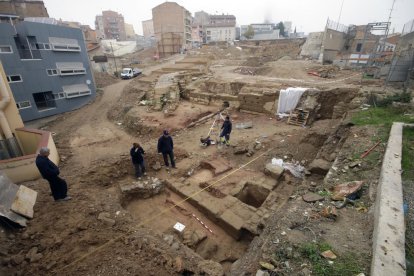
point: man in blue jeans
(137, 157)
(166, 146)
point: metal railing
(336, 26)
(408, 27)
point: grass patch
(344, 265)
(382, 117)
(407, 161)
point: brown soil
(94, 143)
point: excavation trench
(222, 214)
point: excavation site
(298, 174)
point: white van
(127, 73)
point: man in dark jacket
(50, 172)
(226, 130)
(137, 157)
(166, 146)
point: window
(58, 96)
(359, 47)
(77, 94)
(76, 90)
(69, 72)
(67, 48)
(6, 49)
(44, 100)
(52, 72)
(40, 46)
(23, 104)
(14, 78)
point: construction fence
(408, 28)
(336, 26)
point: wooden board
(296, 119)
(24, 201)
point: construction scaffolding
(169, 44)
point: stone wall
(312, 46)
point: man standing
(50, 172)
(166, 146)
(226, 130)
(137, 157)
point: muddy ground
(101, 232)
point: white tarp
(289, 98)
(118, 48)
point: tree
(249, 33)
(281, 28)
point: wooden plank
(24, 201)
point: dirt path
(88, 132)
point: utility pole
(340, 13)
(116, 68)
(382, 48)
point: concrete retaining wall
(389, 228)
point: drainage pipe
(5, 100)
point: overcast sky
(306, 15)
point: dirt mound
(104, 79)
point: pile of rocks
(143, 188)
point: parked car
(136, 72)
(128, 73)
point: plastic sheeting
(289, 98)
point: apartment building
(172, 28)
(129, 32)
(148, 28)
(262, 31)
(110, 25)
(220, 27)
(24, 8)
(47, 68)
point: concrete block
(389, 227)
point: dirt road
(89, 134)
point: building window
(58, 96)
(41, 46)
(25, 49)
(66, 48)
(359, 47)
(70, 72)
(44, 100)
(78, 94)
(6, 49)
(14, 78)
(52, 72)
(23, 104)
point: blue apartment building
(47, 67)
